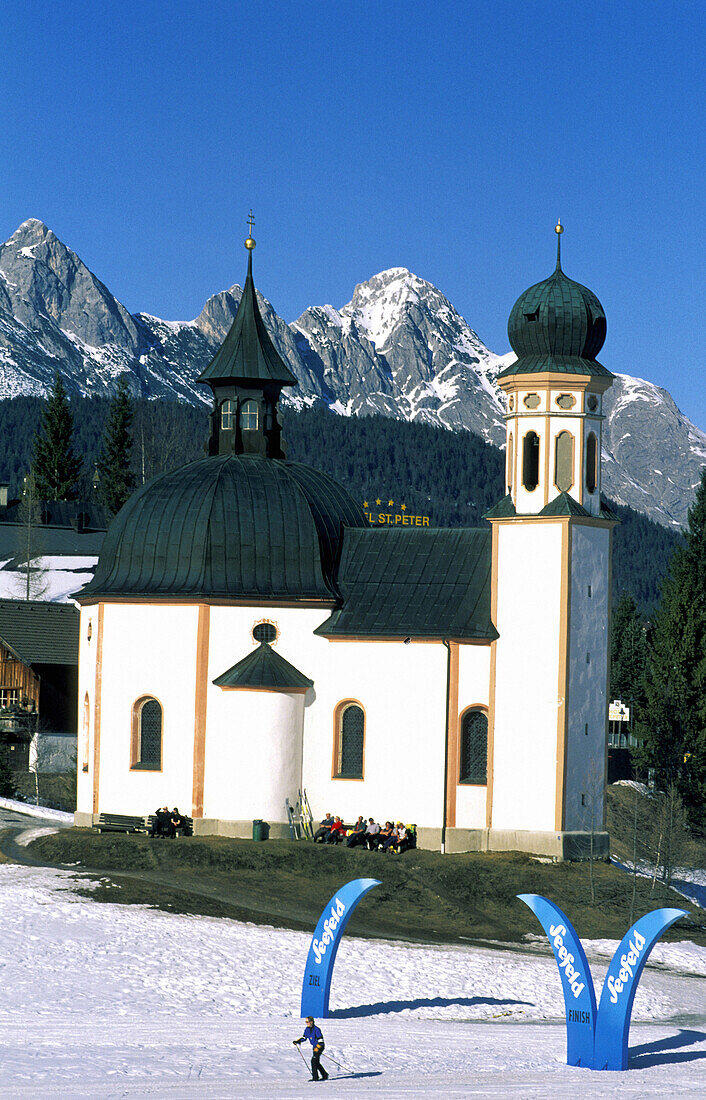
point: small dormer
(246, 377)
(554, 393)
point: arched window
(510, 460)
(147, 734)
(349, 741)
(249, 416)
(564, 461)
(473, 765)
(530, 461)
(85, 726)
(227, 414)
(591, 462)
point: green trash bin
(260, 830)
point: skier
(313, 1034)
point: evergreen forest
(452, 477)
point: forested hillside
(452, 477)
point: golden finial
(250, 243)
(558, 229)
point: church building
(248, 633)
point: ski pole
(333, 1060)
(302, 1056)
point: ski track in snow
(103, 1000)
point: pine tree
(673, 728)
(628, 652)
(117, 480)
(55, 467)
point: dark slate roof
(556, 364)
(266, 670)
(557, 326)
(49, 541)
(247, 353)
(229, 526)
(562, 505)
(40, 633)
(433, 583)
(504, 509)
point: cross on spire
(250, 243)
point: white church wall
(148, 649)
(86, 686)
(253, 754)
(470, 806)
(473, 690)
(402, 689)
(585, 762)
(527, 664)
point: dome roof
(557, 325)
(232, 527)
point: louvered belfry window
(351, 737)
(474, 748)
(151, 733)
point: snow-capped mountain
(398, 348)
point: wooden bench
(120, 823)
(125, 823)
(187, 829)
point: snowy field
(107, 1001)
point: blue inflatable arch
(316, 986)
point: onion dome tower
(550, 588)
(554, 394)
(241, 524)
(246, 376)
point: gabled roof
(40, 633)
(562, 505)
(433, 583)
(504, 509)
(247, 353)
(265, 670)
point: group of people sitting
(169, 822)
(391, 838)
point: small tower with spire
(246, 377)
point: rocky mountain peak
(398, 348)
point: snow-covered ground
(107, 1001)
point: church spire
(246, 376)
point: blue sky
(443, 137)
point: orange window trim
(486, 711)
(337, 721)
(135, 732)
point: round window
(264, 632)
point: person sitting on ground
(404, 838)
(336, 832)
(383, 836)
(315, 1037)
(371, 833)
(324, 828)
(390, 842)
(357, 834)
(160, 823)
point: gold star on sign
(403, 507)
(390, 503)
(378, 501)
(365, 504)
